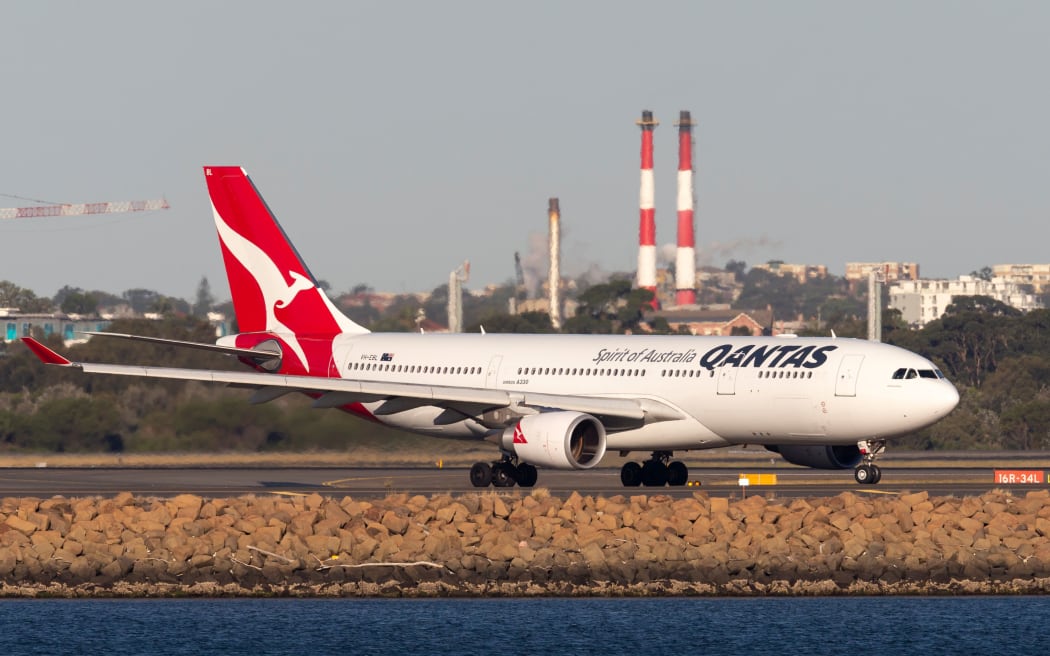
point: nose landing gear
(867, 472)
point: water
(828, 625)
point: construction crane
(77, 209)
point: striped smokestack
(555, 271)
(647, 228)
(685, 261)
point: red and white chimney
(647, 229)
(685, 261)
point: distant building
(381, 301)
(720, 321)
(923, 301)
(857, 272)
(568, 309)
(665, 288)
(715, 286)
(800, 272)
(71, 327)
(1035, 275)
(220, 323)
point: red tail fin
(272, 288)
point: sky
(396, 140)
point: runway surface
(378, 482)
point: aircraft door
(492, 375)
(727, 380)
(846, 382)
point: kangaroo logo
(277, 293)
(519, 435)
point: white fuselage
(728, 390)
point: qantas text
(786, 355)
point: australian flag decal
(386, 357)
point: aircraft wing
(617, 413)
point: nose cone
(944, 399)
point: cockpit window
(904, 373)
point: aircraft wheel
(876, 474)
(527, 475)
(481, 474)
(654, 474)
(677, 473)
(631, 474)
(863, 474)
(502, 476)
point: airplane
(550, 401)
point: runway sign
(1019, 477)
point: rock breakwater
(524, 544)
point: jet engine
(836, 456)
(559, 440)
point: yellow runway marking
(340, 482)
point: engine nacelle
(837, 456)
(559, 440)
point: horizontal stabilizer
(255, 354)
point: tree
(400, 317)
(969, 341)
(611, 307)
(13, 296)
(364, 314)
(961, 305)
(765, 289)
(984, 273)
(205, 300)
(526, 322)
(77, 424)
(141, 300)
(1026, 424)
(77, 301)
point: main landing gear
(867, 472)
(503, 473)
(655, 472)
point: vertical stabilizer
(272, 288)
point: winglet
(44, 353)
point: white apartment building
(922, 301)
(1036, 275)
